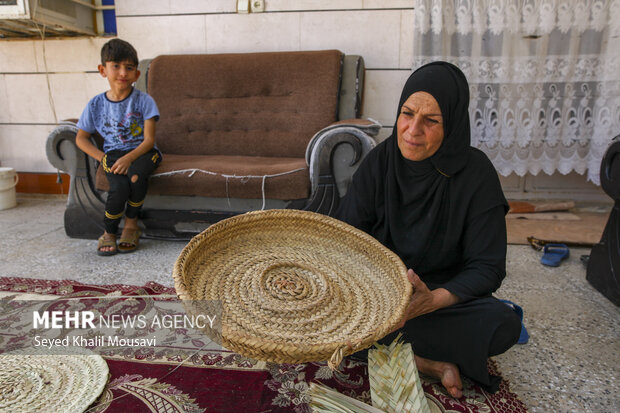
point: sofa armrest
(143, 81)
(60, 147)
(84, 202)
(327, 156)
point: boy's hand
(121, 166)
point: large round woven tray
(45, 382)
(295, 286)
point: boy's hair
(117, 50)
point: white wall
(42, 82)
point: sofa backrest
(262, 104)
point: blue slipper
(553, 254)
(524, 337)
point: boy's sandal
(104, 242)
(131, 240)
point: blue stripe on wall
(109, 18)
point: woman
(430, 197)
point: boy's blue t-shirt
(121, 124)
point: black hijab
(419, 209)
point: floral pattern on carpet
(192, 379)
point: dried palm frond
(395, 385)
(327, 400)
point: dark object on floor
(539, 244)
(584, 260)
(554, 254)
(604, 264)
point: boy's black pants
(125, 192)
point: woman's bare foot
(448, 373)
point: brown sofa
(238, 132)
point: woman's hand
(423, 300)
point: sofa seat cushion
(223, 176)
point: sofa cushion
(250, 104)
(223, 176)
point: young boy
(125, 117)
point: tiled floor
(571, 364)
(572, 361)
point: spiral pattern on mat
(50, 382)
(295, 286)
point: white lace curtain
(544, 77)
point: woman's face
(419, 127)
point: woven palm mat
(150, 379)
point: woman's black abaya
(445, 217)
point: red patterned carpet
(193, 379)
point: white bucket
(8, 180)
